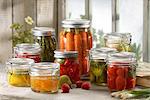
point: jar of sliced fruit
(98, 65)
(121, 73)
(18, 71)
(44, 77)
(120, 41)
(26, 50)
(69, 64)
(76, 36)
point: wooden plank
(45, 11)
(5, 31)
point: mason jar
(46, 38)
(69, 64)
(18, 71)
(121, 73)
(44, 77)
(26, 50)
(120, 41)
(76, 36)
(98, 65)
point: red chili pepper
(120, 83)
(111, 83)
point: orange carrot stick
(84, 43)
(62, 42)
(90, 40)
(70, 41)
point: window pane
(75, 8)
(131, 19)
(102, 15)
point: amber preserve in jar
(18, 71)
(45, 37)
(69, 64)
(26, 50)
(76, 36)
(98, 65)
(120, 41)
(44, 77)
(121, 73)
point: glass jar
(69, 64)
(98, 65)
(26, 50)
(44, 77)
(45, 37)
(121, 73)
(120, 41)
(18, 71)
(76, 36)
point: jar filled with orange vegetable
(44, 77)
(76, 36)
(69, 64)
(121, 73)
(119, 41)
(18, 71)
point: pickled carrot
(120, 83)
(62, 42)
(70, 42)
(84, 43)
(90, 40)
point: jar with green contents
(119, 41)
(18, 71)
(45, 37)
(98, 66)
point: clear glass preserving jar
(45, 37)
(76, 36)
(18, 71)
(98, 65)
(120, 41)
(26, 50)
(69, 64)
(121, 73)
(44, 77)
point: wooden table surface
(8, 92)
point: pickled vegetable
(44, 84)
(20, 80)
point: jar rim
(20, 61)
(65, 54)
(43, 31)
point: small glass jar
(121, 73)
(26, 50)
(45, 37)
(120, 41)
(98, 65)
(44, 77)
(76, 36)
(69, 64)
(18, 71)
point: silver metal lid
(65, 54)
(20, 61)
(79, 23)
(43, 31)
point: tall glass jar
(121, 73)
(44, 77)
(18, 71)
(76, 36)
(120, 41)
(45, 37)
(98, 65)
(69, 64)
(26, 50)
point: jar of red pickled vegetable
(98, 65)
(121, 73)
(120, 41)
(69, 64)
(76, 36)
(44, 77)
(26, 50)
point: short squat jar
(121, 73)
(18, 71)
(26, 50)
(69, 64)
(44, 77)
(98, 65)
